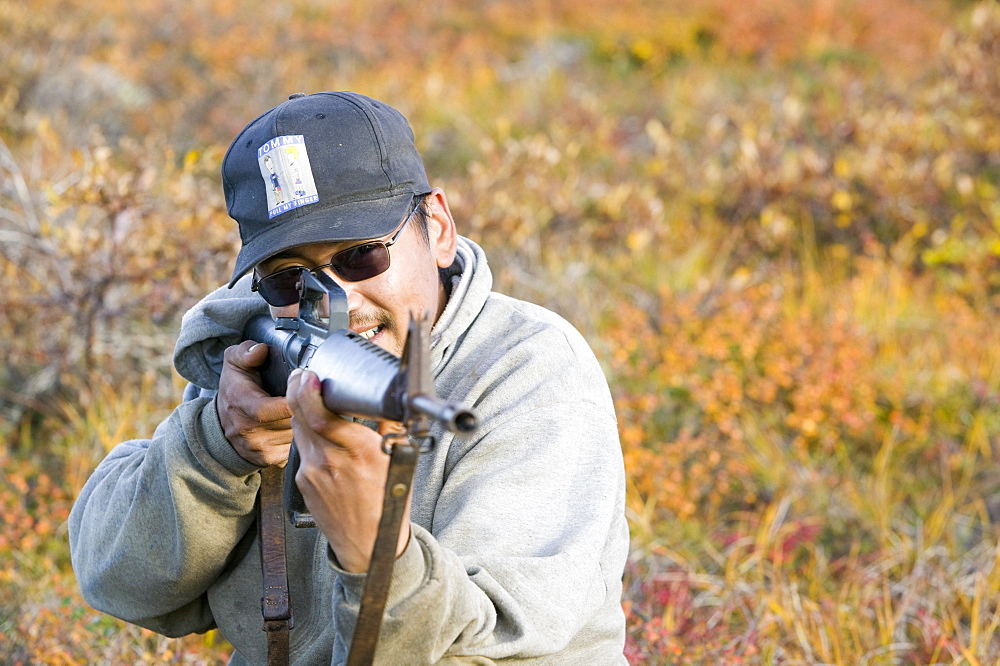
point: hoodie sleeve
(156, 523)
(159, 518)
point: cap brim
(355, 221)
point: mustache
(363, 320)
(367, 319)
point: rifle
(358, 379)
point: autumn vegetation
(776, 221)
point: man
(514, 543)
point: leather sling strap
(402, 464)
(274, 605)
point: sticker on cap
(284, 164)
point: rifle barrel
(454, 417)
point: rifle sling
(275, 606)
(402, 464)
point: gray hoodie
(519, 535)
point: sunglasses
(356, 263)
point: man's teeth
(370, 333)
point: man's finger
(391, 428)
(248, 355)
(305, 400)
(272, 412)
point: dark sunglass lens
(281, 288)
(361, 262)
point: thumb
(250, 355)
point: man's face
(380, 307)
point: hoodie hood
(469, 290)
(213, 324)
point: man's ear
(441, 232)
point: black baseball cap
(326, 167)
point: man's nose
(354, 300)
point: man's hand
(257, 425)
(342, 474)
